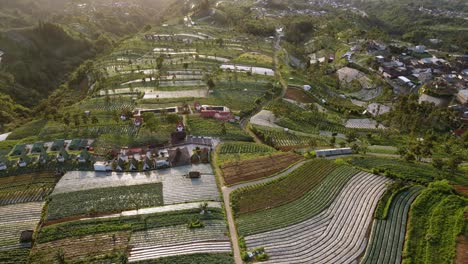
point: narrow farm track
(145, 253)
(337, 235)
(386, 243)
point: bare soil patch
(236, 172)
(298, 96)
(462, 250)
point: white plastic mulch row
(337, 235)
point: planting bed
(17, 218)
(280, 139)
(82, 248)
(26, 188)
(104, 200)
(312, 203)
(200, 126)
(244, 147)
(436, 218)
(386, 242)
(298, 96)
(236, 172)
(337, 235)
(278, 192)
(199, 258)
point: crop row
(134, 223)
(336, 235)
(244, 147)
(416, 172)
(386, 243)
(129, 130)
(236, 172)
(112, 199)
(282, 190)
(436, 218)
(75, 249)
(315, 201)
(281, 139)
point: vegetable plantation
(386, 242)
(436, 218)
(278, 192)
(322, 193)
(200, 126)
(244, 147)
(105, 200)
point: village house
(220, 113)
(3, 166)
(462, 96)
(102, 166)
(62, 155)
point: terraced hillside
(15, 219)
(276, 193)
(25, 188)
(336, 235)
(386, 242)
(436, 218)
(235, 172)
(310, 204)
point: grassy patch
(28, 130)
(212, 128)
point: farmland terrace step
(146, 253)
(342, 240)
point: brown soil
(248, 170)
(462, 250)
(298, 96)
(81, 248)
(461, 189)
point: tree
(94, 120)
(453, 162)
(438, 163)
(332, 142)
(151, 122)
(223, 129)
(351, 137)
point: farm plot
(244, 147)
(176, 187)
(277, 192)
(253, 70)
(97, 130)
(200, 126)
(14, 256)
(15, 219)
(178, 239)
(436, 218)
(337, 235)
(96, 246)
(386, 243)
(199, 258)
(236, 172)
(196, 93)
(298, 96)
(363, 124)
(177, 250)
(417, 172)
(264, 118)
(104, 200)
(310, 204)
(25, 188)
(281, 139)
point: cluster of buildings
(220, 113)
(140, 159)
